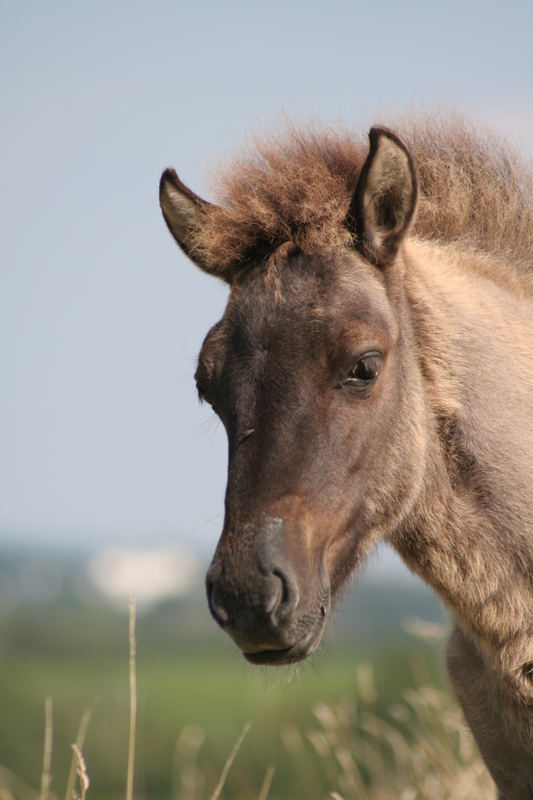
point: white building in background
(148, 574)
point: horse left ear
(384, 201)
(185, 213)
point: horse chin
(299, 651)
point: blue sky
(101, 316)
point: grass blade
(11, 784)
(46, 775)
(267, 782)
(133, 702)
(229, 762)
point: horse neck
(470, 534)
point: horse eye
(202, 395)
(204, 398)
(365, 370)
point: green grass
(213, 689)
(324, 726)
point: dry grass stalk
(267, 782)
(229, 762)
(46, 774)
(81, 771)
(405, 755)
(133, 702)
(80, 741)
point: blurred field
(195, 694)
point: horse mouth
(288, 655)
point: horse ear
(384, 201)
(184, 213)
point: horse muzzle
(255, 596)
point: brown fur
(297, 186)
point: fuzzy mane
(296, 187)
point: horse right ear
(384, 201)
(184, 212)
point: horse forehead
(315, 299)
(268, 306)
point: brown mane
(296, 187)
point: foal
(374, 373)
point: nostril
(218, 612)
(288, 596)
